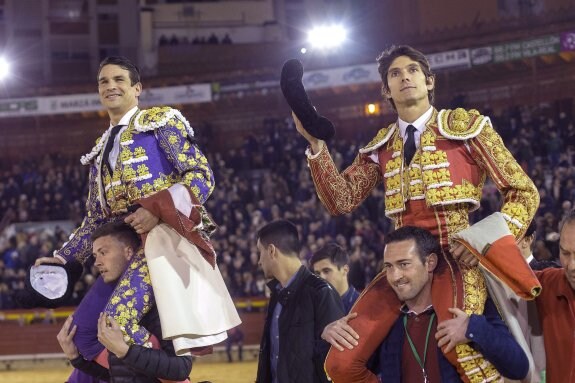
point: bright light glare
(327, 37)
(4, 68)
(303, 51)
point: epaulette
(460, 124)
(144, 121)
(159, 116)
(381, 138)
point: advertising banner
(450, 60)
(357, 74)
(90, 102)
(545, 45)
(568, 41)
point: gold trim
(460, 124)
(381, 138)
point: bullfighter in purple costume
(144, 169)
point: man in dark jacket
(115, 245)
(301, 305)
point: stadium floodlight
(327, 37)
(4, 68)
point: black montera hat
(295, 95)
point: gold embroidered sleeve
(79, 245)
(342, 192)
(520, 196)
(191, 164)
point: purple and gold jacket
(157, 150)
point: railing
(21, 340)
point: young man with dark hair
(413, 350)
(119, 231)
(117, 252)
(124, 63)
(301, 305)
(385, 61)
(433, 165)
(331, 263)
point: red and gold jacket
(457, 151)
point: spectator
(227, 39)
(11, 257)
(235, 336)
(213, 39)
(331, 263)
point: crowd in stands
(267, 179)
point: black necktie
(409, 146)
(109, 145)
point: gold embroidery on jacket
(476, 367)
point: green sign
(529, 48)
